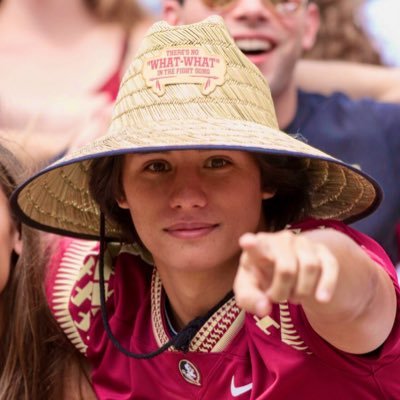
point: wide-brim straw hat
(189, 87)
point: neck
(286, 104)
(193, 294)
(60, 20)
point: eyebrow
(153, 153)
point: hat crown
(188, 72)
(215, 98)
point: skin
(9, 240)
(283, 70)
(53, 103)
(357, 80)
(205, 236)
(347, 298)
(190, 215)
(284, 39)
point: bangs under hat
(189, 87)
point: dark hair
(285, 175)
(105, 186)
(288, 177)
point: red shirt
(234, 355)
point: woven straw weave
(237, 114)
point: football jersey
(235, 355)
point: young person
(274, 34)
(36, 362)
(198, 192)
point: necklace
(171, 328)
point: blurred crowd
(55, 94)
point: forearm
(356, 80)
(361, 312)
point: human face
(272, 40)
(190, 207)
(9, 240)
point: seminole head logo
(189, 372)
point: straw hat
(189, 87)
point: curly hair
(340, 37)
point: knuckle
(305, 290)
(285, 276)
(286, 273)
(277, 296)
(312, 267)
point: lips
(190, 230)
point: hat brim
(57, 199)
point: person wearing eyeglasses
(274, 34)
(223, 267)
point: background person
(36, 361)
(62, 63)
(343, 40)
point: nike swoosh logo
(239, 390)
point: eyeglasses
(282, 7)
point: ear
(122, 202)
(171, 12)
(311, 27)
(17, 242)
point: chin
(193, 262)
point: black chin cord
(181, 341)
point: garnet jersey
(234, 355)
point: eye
(216, 162)
(158, 166)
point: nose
(252, 11)
(187, 191)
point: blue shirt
(365, 133)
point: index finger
(249, 295)
(256, 248)
(329, 276)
